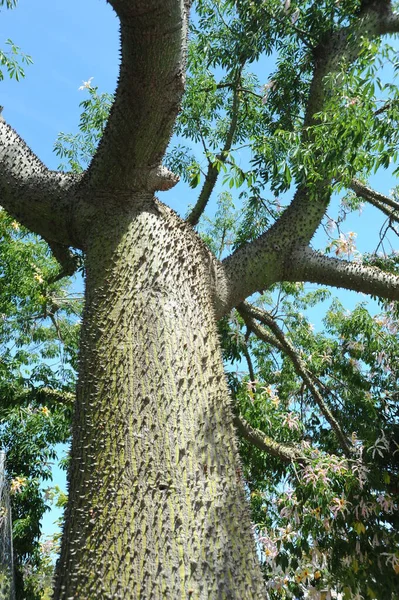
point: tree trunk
(156, 504)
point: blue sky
(71, 41)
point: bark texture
(156, 503)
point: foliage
(13, 59)
(77, 149)
(38, 347)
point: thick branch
(53, 397)
(259, 264)
(265, 443)
(45, 395)
(147, 99)
(249, 313)
(385, 204)
(375, 19)
(213, 171)
(308, 265)
(39, 199)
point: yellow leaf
(386, 477)
(359, 527)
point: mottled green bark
(157, 505)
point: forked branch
(263, 261)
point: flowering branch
(249, 313)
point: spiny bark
(308, 265)
(156, 503)
(385, 204)
(40, 199)
(147, 99)
(263, 261)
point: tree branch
(308, 265)
(385, 204)
(68, 260)
(260, 263)
(50, 396)
(38, 198)
(251, 371)
(265, 443)
(249, 312)
(259, 331)
(213, 171)
(45, 395)
(147, 99)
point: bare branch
(38, 198)
(249, 363)
(265, 443)
(249, 313)
(213, 170)
(308, 265)
(147, 99)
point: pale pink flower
(392, 559)
(86, 85)
(387, 503)
(295, 16)
(17, 484)
(380, 446)
(292, 421)
(287, 5)
(340, 506)
(363, 509)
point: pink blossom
(292, 421)
(340, 506)
(387, 503)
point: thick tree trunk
(157, 507)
